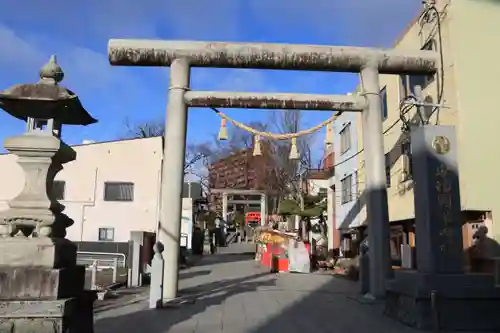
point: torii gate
(182, 55)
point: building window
(383, 97)
(322, 192)
(346, 185)
(58, 189)
(106, 234)
(388, 170)
(345, 139)
(408, 82)
(118, 191)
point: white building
(347, 200)
(111, 189)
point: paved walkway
(230, 292)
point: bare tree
(282, 174)
(238, 139)
(145, 129)
(213, 150)
(288, 170)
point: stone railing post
(115, 270)
(156, 286)
(93, 280)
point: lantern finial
(51, 72)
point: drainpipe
(158, 191)
(91, 203)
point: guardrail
(105, 259)
(103, 262)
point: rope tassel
(294, 152)
(256, 147)
(223, 130)
(329, 134)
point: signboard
(299, 260)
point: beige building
(469, 84)
(110, 190)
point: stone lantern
(40, 282)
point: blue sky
(78, 32)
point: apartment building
(464, 33)
(111, 189)
(345, 179)
(241, 170)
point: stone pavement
(230, 292)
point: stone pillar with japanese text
(438, 223)
(439, 295)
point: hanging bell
(294, 152)
(329, 134)
(222, 130)
(256, 147)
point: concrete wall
(471, 70)
(400, 191)
(137, 161)
(474, 26)
(346, 214)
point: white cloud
(87, 69)
(17, 52)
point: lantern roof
(45, 99)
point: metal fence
(105, 260)
(103, 268)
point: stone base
(37, 252)
(74, 315)
(25, 283)
(462, 302)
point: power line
(404, 109)
(361, 150)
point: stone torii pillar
(224, 206)
(180, 55)
(376, 185)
